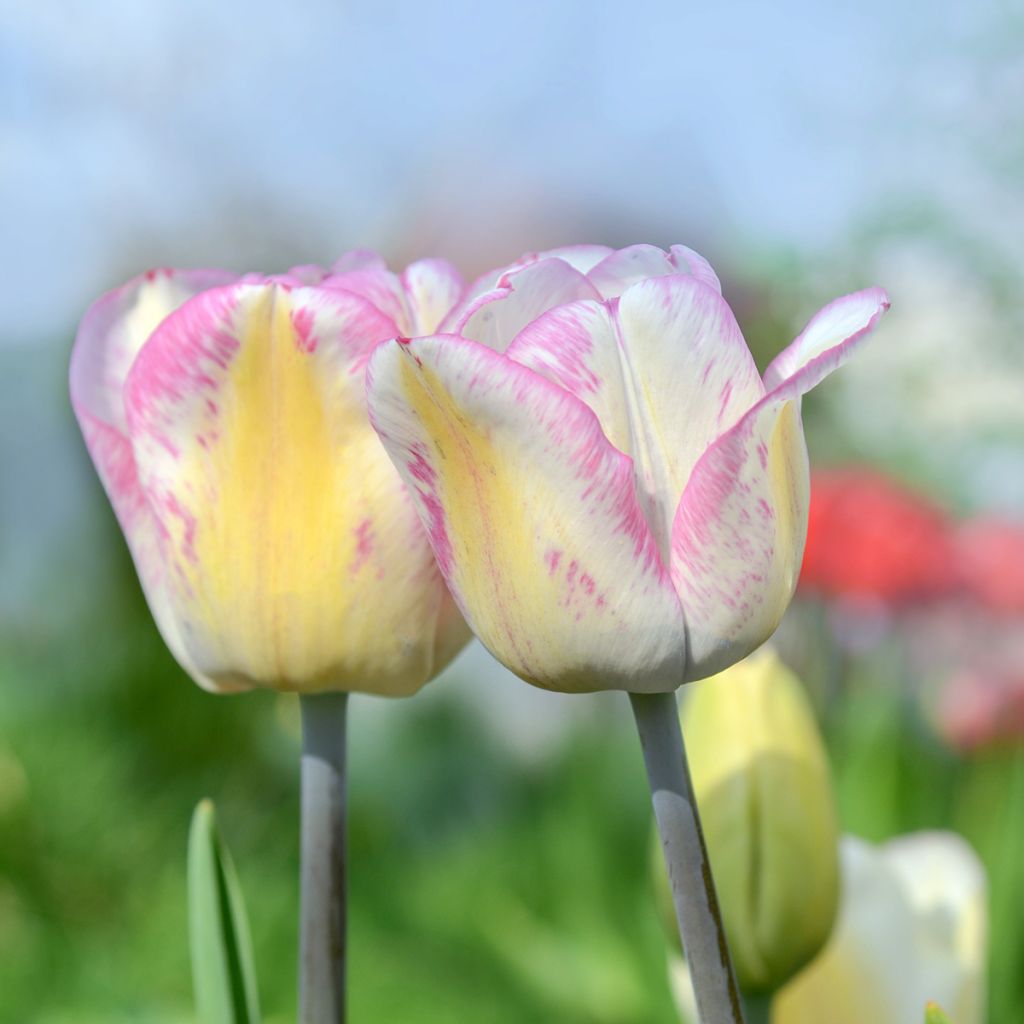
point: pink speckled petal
(520, 296)
(532, 516)
(432, 288)
(116, 326)
(111, 334)
(740, 528)
(294, 556)
(112, 455)
(691, 377)
(380, 286)
(826, 341)
(576, 347)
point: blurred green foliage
(484, 889)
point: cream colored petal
(295, 558)
(532, 515)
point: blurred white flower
(912, 926)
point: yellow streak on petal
(501, 523)
(304, 574)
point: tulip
(615, 496)
(912, 928)
(762, 781)
(276, 545)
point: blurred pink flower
(989, 555)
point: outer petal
(497, 316)
(294, 553)
(108, 340)
(532, 516)
(739, 531)
(432, 288)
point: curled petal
(739, 530)
(293, 554)
(532, 516)
(825, 342)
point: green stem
(322, 940)
(686, 857)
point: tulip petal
(575, 346)
(532, 516)
(432, 287)
(116, 326)
(690, 377)
(295, 556)
(824, 343)
(739, 530)
(380, 286)
(624, 267)
(109, 338)
(521, 295)
(580, 257)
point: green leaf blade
(223, 967)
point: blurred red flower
(871, 540)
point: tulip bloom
(616, 497)
(226, 416)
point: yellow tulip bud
(762, 781)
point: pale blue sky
(237, 132)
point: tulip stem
(686, 857)
(322, 940)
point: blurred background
(499, 836)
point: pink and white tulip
(616, 497)
(226, 416)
